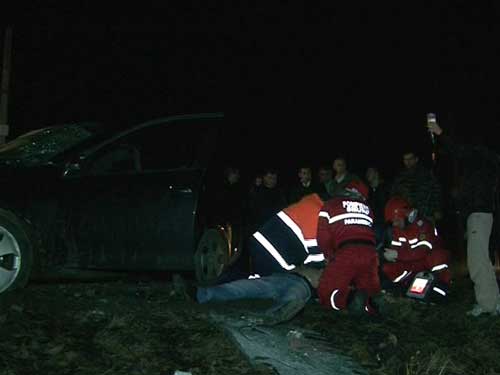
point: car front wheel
(212, 255)
(16, 252)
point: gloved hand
(390, 255)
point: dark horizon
(301, 83)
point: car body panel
(128, 200)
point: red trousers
(399, 271)
(352, 265)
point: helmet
(358, 186)
(399, 208)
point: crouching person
(290, 292)
(287, 240)
(415, 247)
(347, 239)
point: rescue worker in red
(347, 239)
(415, 246)
(288, 239)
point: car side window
(119, 158)
(164, 146)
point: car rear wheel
(211, 256)
(16, 252)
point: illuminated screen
(418, 285)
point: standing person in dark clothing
(230, 203)
(341, 179)
(476, 204)
(325, 175)
(304, 186)
(231, 195)
(419, 187)
(377, 198)
(268, 200)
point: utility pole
(4, 89)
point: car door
(133, 202)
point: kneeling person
(415, 247)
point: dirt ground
(144, 327)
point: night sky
(298, 82)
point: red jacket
(344, 219)
(415, 241)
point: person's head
(270, 178)
(232, 175)
(340, 166)
(372, 176)
(258, 180)
(325, 174)
(410, 159)
(357, 188)
(305, 175)
(399, 212)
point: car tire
(211, 256)
(16, 252)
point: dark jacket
(335, 188)
(479, 173)
(377, 199)
(265, 203)
(298, 191)
(421, 189)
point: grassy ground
(144, 328)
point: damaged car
(82, 197)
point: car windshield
(41, 145)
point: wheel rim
(10, 259)
(212, 257)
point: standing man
(476, 203)
(377, 198)
(342, 177)
(419, 187)
(305, 185)
(346, 237)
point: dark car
(78, 196)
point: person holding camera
(476, 204)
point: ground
(135, 326)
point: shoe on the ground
(379, 304)
(358, 303)
(182, 288)
(478, 310)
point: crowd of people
(347, 239)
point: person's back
(476, 202)
(347, 239)
(349, 219)
(479, 179)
